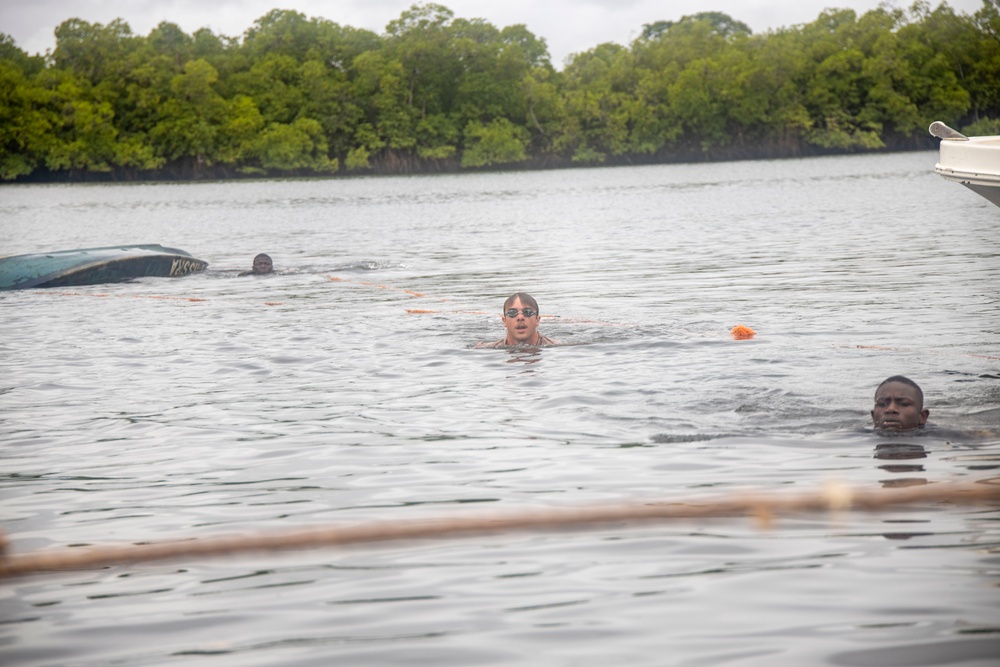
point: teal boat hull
(92, 266)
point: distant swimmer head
(899, 405)
(262, 264)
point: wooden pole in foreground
(834, 497)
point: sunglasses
(528, 312)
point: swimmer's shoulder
(543, 341)
(487, 345)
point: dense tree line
(298, 95)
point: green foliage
(238, 135)
(357, 158)
(600, 87)
(437, 137)
(93, 51)
(982, 127)
(25, 123)
(10, 53)
(297, 94)
(499, 142)
(190, 119)
(295, 147)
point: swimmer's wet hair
(526, 299)
(902, 379)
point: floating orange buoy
(741, 332)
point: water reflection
(899, 452)
(524, 355)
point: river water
(344, 389)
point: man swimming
(520, 317)
(262, 264)
(899, 405)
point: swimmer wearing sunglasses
(520, 317)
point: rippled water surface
(344, 389)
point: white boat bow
(972, 161)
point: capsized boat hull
(972, 161)
(92, 266)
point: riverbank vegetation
(305, 96)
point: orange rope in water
(160, 297)
(428, 311)
(832, 498)
(337, 279)
(884, 348)
(105, 295)
(739, 331)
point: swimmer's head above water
(520, 318)
(262, 264)
(899, 405)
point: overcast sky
(568, 26)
